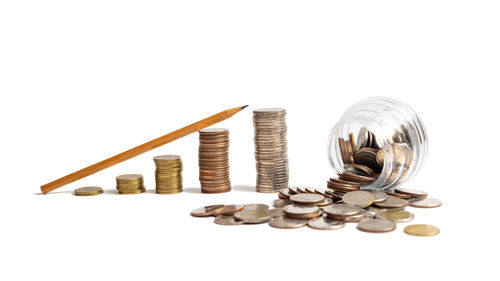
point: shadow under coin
(244, 188)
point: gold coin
(421, 230)
(88, 191)
(395, 215)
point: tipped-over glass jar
(378, 142)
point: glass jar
(386, 128)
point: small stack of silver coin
(270, 149)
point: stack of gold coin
(168, 174)
(270, 149)
(130, 184)
(213, 159)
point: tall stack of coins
(213, 160)
(130, 184)
(270, 149)
(168, 174)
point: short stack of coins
(270, 149)
(130, 184)
(213, 159)
(168, 174)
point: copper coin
(411, 192)
(287, 223)
(356, 178)
(392, 202)
(227, 220)
(376, 225)
(358, 198)
(323, 223)
(206, 211)
(307, 198)
(367, 157)
(425, 202)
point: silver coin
(376, 225)
(306, 198)
(363, 138)
(425, 202)
(301, 211)
(254, 207)
(287, 223)
(276, 212)
(359, 217)
(226, 220)
(379, 195)
(280, 203)
(392, 202)
(361, 199)
(323, 223)
(253, 216)
(411, 192)
(340, 211)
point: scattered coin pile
(130, 184)
(213, 159)
(364, 159)
(270, 149)
(375, 211)
(168, 174)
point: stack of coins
(270, 149)
(168, 174)
(213, 159)
(130, 184)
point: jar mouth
(399, 133)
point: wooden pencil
(209, 121)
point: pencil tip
(243, 107)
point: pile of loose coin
(374, 210)
(214, 160)
(168, 174)
(130, 184)
(270, 149)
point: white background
(83, 80)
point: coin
(253, 216)
(392, 202)
(425, 202)
(368, 157)
(88, 191)
(280, 203)
(323, 223)
(356, 178)
(307, 198)
(227, 220)
(363, 138)
(254, 207)
(284, 193)
(340, 211)
(287, 223)
(359, 169)
(411, 192)
(206, 211)
(301, 211)
(327, 201)
(231, 209)
(395, 216)
(376, 225)
(379, 195)
(358, 198)
(359, 217)
(421, 230)
(276, 212)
